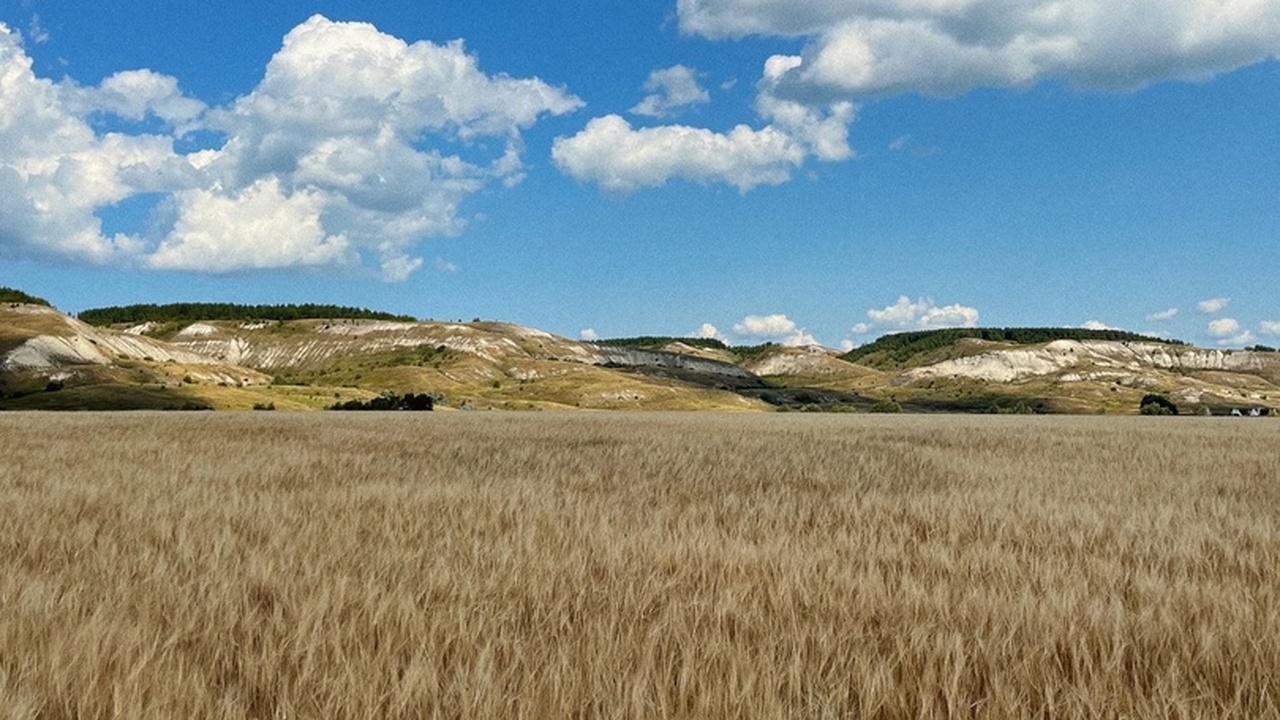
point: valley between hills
(50, 360)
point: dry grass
(271, 565)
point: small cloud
(1097, 325)
(445, 265)
(669, 90)
(36, 31)
(1163, 315)
(1229, 333)
(1224, 327)
(846, 345)
(922, 314)
(765, 326)
(903, 142)
(1244, 338)
(729, 84)
(588, 334)
(708, 332)
(1269, 327)
(1212, 305)
(777, 327)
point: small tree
(1153, 404)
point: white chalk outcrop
(69, 341)
(1082, 360)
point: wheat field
(601, 565)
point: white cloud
(446, 266)
(776, 328)
(621, 158)
(136, 94)
(1224, 327)
(1097, 325)
(1163, 315)
(765, 326)
(588, 334)
(922, 314)
(708, 331)
(942, 48)
(946, 47)
(56, 171)
(1212, 305)
(671, 89)
(271, 230)
(1270, 327)
(36, 31)
(1228, 332)
(846, 345)
(354, 147)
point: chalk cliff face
(266, 347)
(1079, 360)
(628, 357)
(39, 342)
(58, 340)
(810, 360)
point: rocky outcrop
(810, 360)
(629, 357)
(67, 341)
(1078, 360)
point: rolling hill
(284, 360)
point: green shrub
(886, 406)
(390, 401)
(1153, 404)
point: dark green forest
(900, 347)
(657, 342)
(10, 295)
(194, 312)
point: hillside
(241, 357)
(898, 350)
(50, 360)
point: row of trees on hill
(655, 342)
(194, 312)
(899, 347)
(11, 295)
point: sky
(793, 171)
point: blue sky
(786, 170)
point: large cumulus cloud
(944, 47)
(353, 148)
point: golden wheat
(268, 565)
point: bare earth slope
(43, 351)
